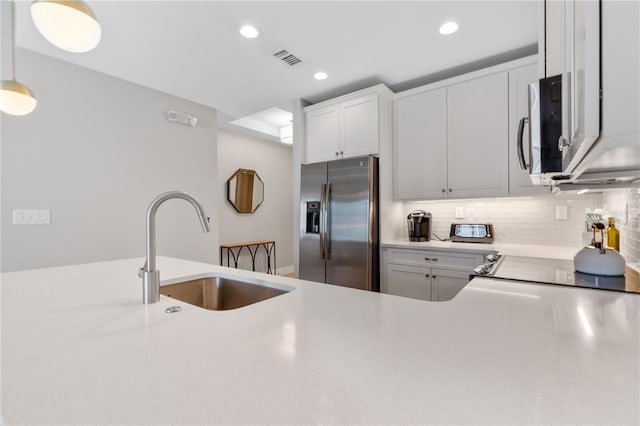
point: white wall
(273, 219)
(299, 154)
(96, 151)
(522, 220)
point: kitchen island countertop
(79, 347)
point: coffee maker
(419, 225)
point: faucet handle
(142, 269)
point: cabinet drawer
(434, 258)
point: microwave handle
(523, 163)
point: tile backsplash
(523, 220)
(624, 205)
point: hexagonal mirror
(245, 191)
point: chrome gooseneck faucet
(150, 276)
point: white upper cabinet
(346, 127)
(323, 134)
(457, 138)
(551, 38)
(360, 127)
(519, 80)
(477, 135)
(420, 155)
(580, 81)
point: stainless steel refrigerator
(339, 223)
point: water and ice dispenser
(313, 217)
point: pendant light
(69, 25)
(15, 98)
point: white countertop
(550, 252)
(78, 347)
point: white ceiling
(192, 49)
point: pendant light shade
(16, 98)
(69, 25)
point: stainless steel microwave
(545, 128)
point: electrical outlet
(31, 217)
(562, 212)
(459, 212)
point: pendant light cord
(13, 40)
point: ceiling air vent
(287, 57)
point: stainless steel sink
(220, 293)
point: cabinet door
(323, 134)
(583, 78)
(552, 53)
(359, 127)
(420, 146)
(478, 137)
(446, 283)
(408, 281)
(519, 79)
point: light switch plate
(459, 212)
(562, 212)
(32, 217)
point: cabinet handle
(444, 190)
(434, 277)
(341, 152)
(450, 190)
(435, 259)
(426, 275)
(336, 153)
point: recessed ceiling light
(448, 28)
(320, 75)
(249, 31)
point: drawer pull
(435, 259)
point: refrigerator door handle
(323, 215)
(327, 239)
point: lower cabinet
(433, 284)
(446, 283)
(436, 276)
(408, 281)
